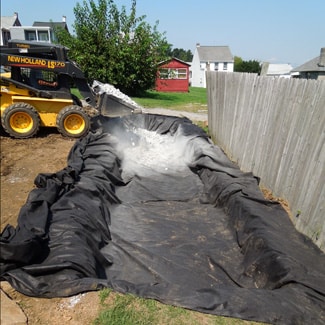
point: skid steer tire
(20, 120)
(73, 122)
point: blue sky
(277, 31)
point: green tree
(115, 47)
(237, 62)
(251, 66)
(182, 54)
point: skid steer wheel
(20, 120)
(73, 122)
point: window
(31, 76)
(43, 36)
(181, 74)
(216, 66)
(165, 73)
(6, 37)
(225, 66)
(30, 35)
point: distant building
(209, 58)
(313, 69)
(276, 70)
(173, 76)
(40, 31)
(11, 28)
(6, 24)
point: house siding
(198, 72)
(17, 33)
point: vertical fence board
(275, 127)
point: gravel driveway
(192, 116)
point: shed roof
(173, 58)
(279, 69)
(215, 53)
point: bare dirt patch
(284, 203)
(21, 162)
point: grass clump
(193, 101)
(128, 309)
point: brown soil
(21, 162)
(270, 196)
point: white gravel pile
(148, 152)
(110, 89)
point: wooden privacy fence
(275, 128)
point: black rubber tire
(21, 120)
(73, 122)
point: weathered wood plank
(275, 127)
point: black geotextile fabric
(201, 237)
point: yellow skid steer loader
(36, 92)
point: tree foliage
(115, 47)
(181, 54)
(251, 66)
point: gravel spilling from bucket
(110, 89)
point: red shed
(173, 75)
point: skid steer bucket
(113, 103)
(112, 106)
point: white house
(6, 23)
(209, 58)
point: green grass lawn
(193, 101)
(118, 309)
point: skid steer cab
(36, 81)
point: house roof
(9, 21)
(314, 65)
(215, 53)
